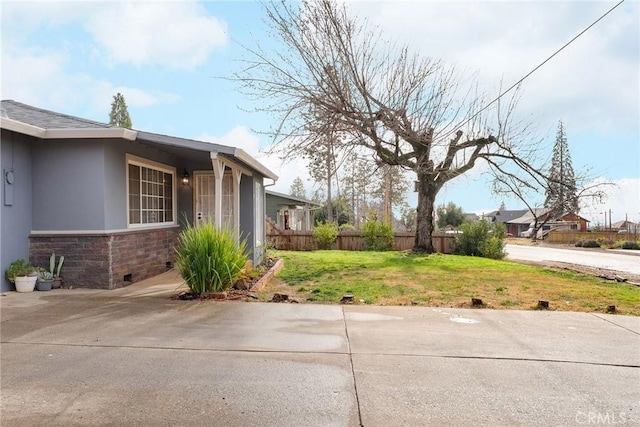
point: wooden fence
(349, 240)
(571, 237)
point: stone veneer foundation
(107, 260)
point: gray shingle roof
(292, 198)
(46, 119)
(506, 215)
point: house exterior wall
(80, 187)
(15, 214)
(108, 260)
(272, 203)
(68, 185)
(115, 177)
(574, 217)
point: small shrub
(209, 258)
(325, 234)
(631, 245)
(481, 239)
(590, 244)
(494, 248)
(377, 236)
(617, 245)
(579, 243)
(347, 227)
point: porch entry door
(205, 198)
(205, 201)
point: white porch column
(237, 174)
(218, 172)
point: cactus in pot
(57, 283)
(45, 281)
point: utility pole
(610, 220)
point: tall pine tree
(119, 115)
(297, 188)
(561, 188)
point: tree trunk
(427, 192)
(387, 194)
(329, 204)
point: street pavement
(135, 356)
(616, 260)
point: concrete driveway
(135, 357)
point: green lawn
(393, 278)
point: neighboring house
(523, 223)
(112, 200)
(290, 212)
(505, 217)
(625, 226)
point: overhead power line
(534, 70)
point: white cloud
(40, 77)
(177, 35)
(623, 199)
(241, 137)
(593, 82)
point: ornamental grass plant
(210, 259)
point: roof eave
(110, 133)
(20, 127)
(256, 165)
(79, 133)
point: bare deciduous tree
(410, 111)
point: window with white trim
(150, 190)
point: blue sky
(166, 57)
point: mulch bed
(240, 291)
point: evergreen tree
(449, 215)
(561, 188)
(119, 115)
(297, 188)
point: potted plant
(45, 281)
(57, 279)
(20, 274)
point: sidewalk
(136, 357)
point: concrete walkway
(136, 357)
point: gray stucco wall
(81, 185)
(68, 185)
(15, 220)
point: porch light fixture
(185, 177)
